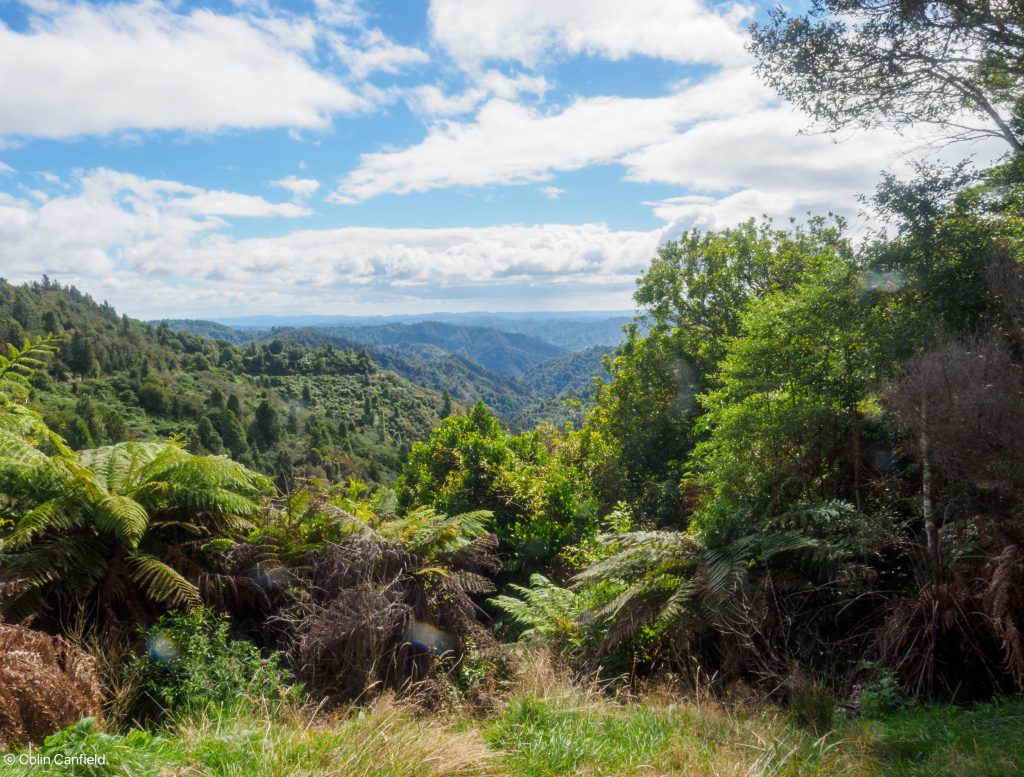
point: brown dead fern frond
(1002, 597)
(45, 684)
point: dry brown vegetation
(45, 684)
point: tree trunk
(931, 529)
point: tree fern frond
(162, 583)
(122, 517)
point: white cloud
(526, 31)
(375, 52)
(433, 101)
(757, 163)
(552, 192)
(117, 232)
(5, 168)
(83, 69)
(340, 13)
(300, 188)
(112, 215)
(508, 143)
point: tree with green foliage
(868, 63)
(539, 502)
(697, 285)
(266, 426)
(785, 420)
(82, 355)
(208, 437)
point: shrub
(881, 694)
(191, 663)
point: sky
(360, 156)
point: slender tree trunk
(931, 529)
(856, 459)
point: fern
(545, 610)
(675, 580)
(118, 525)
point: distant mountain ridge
(513, 364)
(572, 331)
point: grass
(548, 727)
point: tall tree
(958, 64)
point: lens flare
(428, 637)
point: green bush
(881, 694)
(191, 664)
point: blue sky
(362, 156)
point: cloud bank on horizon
(351, 156)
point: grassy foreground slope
(547, 727)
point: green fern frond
(162, 583)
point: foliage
(191, 663)
(539, 501)
(886, 62)
(785, 420)
(149, 382)
(676, 581)
(100, 754)
(881, 693)
(545, 612)
(118, 528)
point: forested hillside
(528, 380)
(277, 406)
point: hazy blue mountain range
(572, 331)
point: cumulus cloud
(434, 101)
(85, 69)
(527, 31)
(376, 52)
(111, 215)
(759, 163)
(116, 228)
(509, 143)
(301, 188)
(552, 192)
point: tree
(231, 431)
(82, 355)
(208, 437)
(785, 420)
(693, 297)
(540, 502)
(866, 63)
(697, 286)
(266, 425)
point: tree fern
(675, 580)
(116, 526)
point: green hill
(278, 405)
